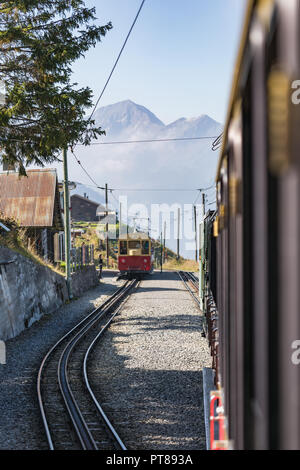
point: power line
(197, 197)
(217, 143)
(118, 58)
(85, 171)
(139, 189)
(152, 140)
(142, 189)
(160, 189)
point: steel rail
(81, 427)
(185, 278)
(87, 382)
(49, 354)
(193, 279)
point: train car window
(134, 245)
(123, 248)
(145, 247)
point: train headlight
(145, 261)
(123, 260)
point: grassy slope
(16, 240)
(181, 265)
(90, 238)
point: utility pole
(178, 233)
(201, 247)
(195, 220)
(165, 229)
(161, 252)
(199, 253)
(67, 224)
(203, 203)
(120, 219)
(106, 226)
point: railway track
(72, 416)
(191, 283)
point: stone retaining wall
(29, 290)
(84, 280)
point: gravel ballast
(20, 423)
(147, 370)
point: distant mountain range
(129, 120)
(130, 168)
(170, 165)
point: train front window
(134, 245)
(123, 248)
(145, 247)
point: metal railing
(82, 256)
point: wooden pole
(178, 233)
(67, 223)
(161, 252)
(106, 226)
(195, 220)
(120, 219)
(203, 203)
(165, 230)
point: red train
(135, 254)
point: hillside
(170, 262)
(177, 167)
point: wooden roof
(33, 199)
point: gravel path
(20, 422)
(152, 357)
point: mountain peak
(127, 118)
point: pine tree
(44, 111)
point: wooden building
(83, 209)
(34, 201)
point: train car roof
(134, 236)
(263, 7)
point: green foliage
(44, 111)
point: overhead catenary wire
(127, 142)
(217, 143)
(136, 141)
(117, 60)
(159, 189)
(175, 139)
(199, 194)
(85, 171)
(95, 184)
(113, 69)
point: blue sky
(179, 59)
